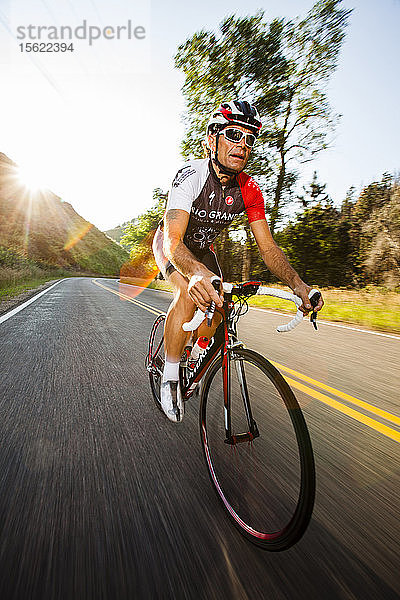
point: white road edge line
(16, 310)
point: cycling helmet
(235, 112)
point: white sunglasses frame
(244, 134)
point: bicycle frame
(224, 340)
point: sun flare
(31, 178)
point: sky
(101, 126)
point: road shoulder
(10, 303)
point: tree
(284, 68)
(304, 119)
(313, 191)
(376, 232)
(138, 238)
(138, 230)
(318, 245)
(225, 65)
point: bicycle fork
(252, 432)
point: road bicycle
(254, 436)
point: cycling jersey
(197, 190)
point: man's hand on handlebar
(302, 292)
(202, 291)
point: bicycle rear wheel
(155, 358)
(267, 486)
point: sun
(31, 178)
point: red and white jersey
(212, 207)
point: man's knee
(184, 302)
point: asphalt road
(102, 498)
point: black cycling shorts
(208, 258)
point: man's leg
(180, 311)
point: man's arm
(200, 288)
(278, 264)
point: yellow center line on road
(387, 431)
(151, 309)
(369, 407)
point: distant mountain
(41, 227)
(117, 232)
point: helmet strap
(222, 168)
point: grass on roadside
(20, 274)
(158, 284)
(23, 286)
(13, 282)
(371, 307)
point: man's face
(230, 154)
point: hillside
(117, 232)
(40, 228)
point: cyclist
(205, 196)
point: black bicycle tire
(302, 514)
(159, 322)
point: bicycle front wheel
(155, 359)
(267, 485)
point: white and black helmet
(235, 112)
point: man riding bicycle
(205, 196)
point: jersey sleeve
(252, 198)
(184, 189)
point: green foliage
(356, 244)
(18, 274)
(138, 231)
(313, 191)
(11, 259)
(376, 232)
(318, 245)
(138, 237)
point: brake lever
(314, 299)
(211, 309)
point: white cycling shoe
(171, 401)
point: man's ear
(211, 142)
(206, 149)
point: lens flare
(141, 268)
(76, 235)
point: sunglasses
(236, 136)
